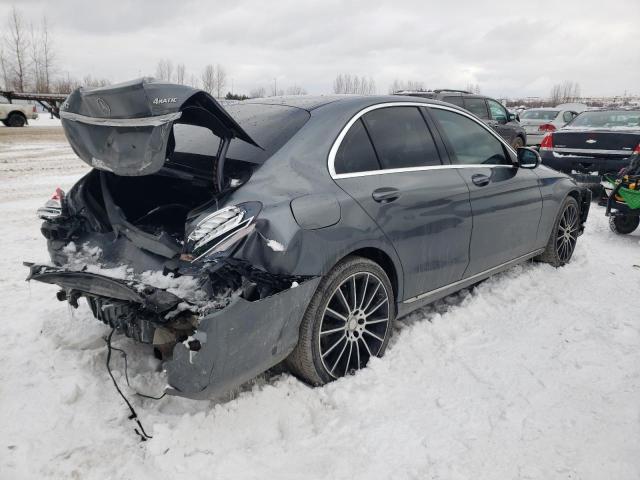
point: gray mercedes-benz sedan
(287, 229)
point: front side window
(497, 111)
(472, 144)
(356, 153)
(477, 106)
(401, 138)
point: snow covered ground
(534, 374)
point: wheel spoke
(335, 314)
(353, 292)
(366, 346)
(339, 357)
(372, 296)
(379, 320)
(358, 352)
(376, 307)
(346, 367)
(374, 335)
(334, 346)
(344, 300)
(364, 290)
(333, 330)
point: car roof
(312, 102)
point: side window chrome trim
(338, 141)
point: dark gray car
(492, 112)
(292, 229)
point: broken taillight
(547, 142)
(53, 208)
(637, 149)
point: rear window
(271, 126)
(612, 119)
(477, 106)
(546, 115)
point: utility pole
(275, 87)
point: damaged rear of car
(148, 237)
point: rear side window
(477, 106)
(455, 100)
(356, 154)
(401, 138)
(472, 144)
(568, 116)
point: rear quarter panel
(554, 187)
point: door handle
(385, 194)
(480, 180)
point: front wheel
(348, 321)
(564, 235)
(624, 224)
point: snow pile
(533, 374)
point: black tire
(624, 224)
(16, 120)
(518, 142)
(564, 235)
(320, 358)
(4, 122)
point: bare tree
(18, 45)
(193, 81)
(220, 79)
(65, 85)
(180, 74)
(4, 68)
(47, 53)
(36, 59)
(89, 81)
(473, 88)
(259, 92)
(296, 90)
(565, 92)
(345, 83)
(410, 85)
(209, 79)
(164, 70)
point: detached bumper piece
(207, 352)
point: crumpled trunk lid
(127, 128)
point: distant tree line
(347, 83)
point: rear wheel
(348, 321)
(564, 235)
(16, 120)
(624, 224)
(517, 143)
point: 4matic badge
(158, 101)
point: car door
(499, 120)
(505, 200)
(389, 162)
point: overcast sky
(511, 48)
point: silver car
(537, 122)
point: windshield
(546, 115)
(610, 119)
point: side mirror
(501, 119)
(528, 158)
(513, 117)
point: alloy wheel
(354, 324)
(567, 235)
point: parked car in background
(593, 144)
(17, 115)
(489, 110)
(537, 122)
